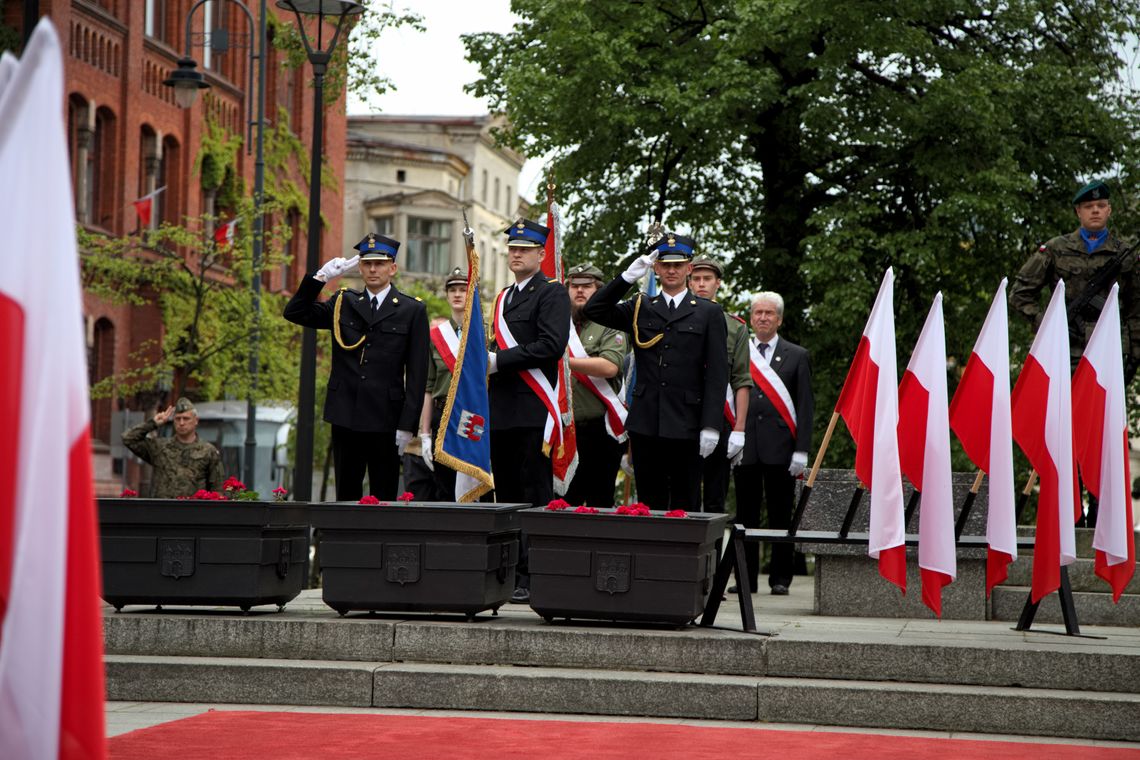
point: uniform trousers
(714, 471)
(772, 486)
(355, 453)
(523, 475)
(667, 471)
(599, 457)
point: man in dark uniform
(379, 366)
(777, 437)
(1076, 258)
(183, 464)
(705, 282)
(531, 335)
(680, 349)
(599, 452)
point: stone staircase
(1092, 596)
(962, 676)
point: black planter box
(218, 553)
(417, 557)
(621, 567)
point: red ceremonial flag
(51, 668)
(868, 404)
(924, 453)
(145, 207)
(1043, 428)
(980, 416)
(564, 450)
(1101, 445)
(224, 234)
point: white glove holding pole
(403, 438)
(799, 462)
(626, 464)
(735, 444)
(709, 439)
(639, 268)
(334, 268)
(426, 452)
(492, 363)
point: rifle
(1090, 301)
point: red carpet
(223, 735)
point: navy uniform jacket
(767, 439)
(378, 386)
(681, 380)
(539, 320)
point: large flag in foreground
(868, 404)
(1101, 445)
(51, 668)
(924, 453)
(980, 415)
(1043, 428)
(461, 442)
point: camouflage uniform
(1065, 257)
(180, 469)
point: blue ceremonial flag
(462, 441)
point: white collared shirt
(677, 299)
(767, 357)
(379, 296)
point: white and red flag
(224, 233)
(564, 447)
(980, 416)
(1101, 445)
(1043, 427)
(144, 207)
(51, 668)
(868, 404)
(924, 453)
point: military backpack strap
(637, 333)
(336, 325)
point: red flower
(128, 494)
(637, 509)
(676, 513)
(583, 510)
(406, 496)
(279, 494)
(369, 499)
(205, 495)
(558, 505)
(233, 484)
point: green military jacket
(439, 376)
(180, 469)
(739, 371)
(606, 343)
(1065, 258)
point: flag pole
(968, 504)
(1024, 497)
(805, 489)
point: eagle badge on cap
(520, 227)
(1096, 194)
(672, 241)
(371, 241)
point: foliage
(813, 144)
(285, 156)
(216, 163)
(9, 35)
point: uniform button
(667, 329)
(368, 345)
(666, 364)
(362, 377)
(666, 345)
(365, 361)
(663, 383)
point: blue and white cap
(377, 247)
(673, 247)
(526, 234)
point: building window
(401, 175)
(154, 19)
(429, 245)
(509, 201)
(496, 193)
(100, 365)
(484, 187)
(383, 225)
(170, 177)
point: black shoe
(732, 590)
(779, 590)
(522, 596)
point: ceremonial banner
(868, 404)
(144, 206)
(564, 448)
(51, 648)
(924, 453)
(1100, 442)
(980, 416)
(1043, 427)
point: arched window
(79, 143)
(100, 174)
(101, 364)
(171, 178)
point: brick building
(128, 137)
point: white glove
(425, 451)
(735, 443)
(709, 439)
(492, 363)
(403, 438)
(799, 462)
(334, 268)
(626, 464)
(640, 266)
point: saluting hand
(640, 266)
(334, 268)
(162, 418)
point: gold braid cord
(637, 334)
(336, 325)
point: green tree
(813, 144)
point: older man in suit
(776, 437)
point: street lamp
(186, 81)
(319, 57)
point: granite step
(1093, 607)
(1084, 540)
(1082, 576)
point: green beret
(1093, 191)
(708, 262)
(183, 405)
(584, 273)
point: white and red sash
(615, 409)
(730, 405)
(446, 342)
(552, 431)
(768, 381)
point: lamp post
(186, 81)
(319, 57)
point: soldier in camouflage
(183, 464)
(1076, 258)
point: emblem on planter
(613, 573)
(403, 563)
(283, 559)
(177, 556)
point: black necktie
(375, 305)
(672, 307)
(763, 349)
(511, 293)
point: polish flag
(224, 234)
(924, 453)
(980, 416)
(1101, 445)
(51, 669)
(144, 206)
(868, 404)
(1043, 428)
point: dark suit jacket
(379, 386)
(539, 319)
(767, 439)
(680, 380)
